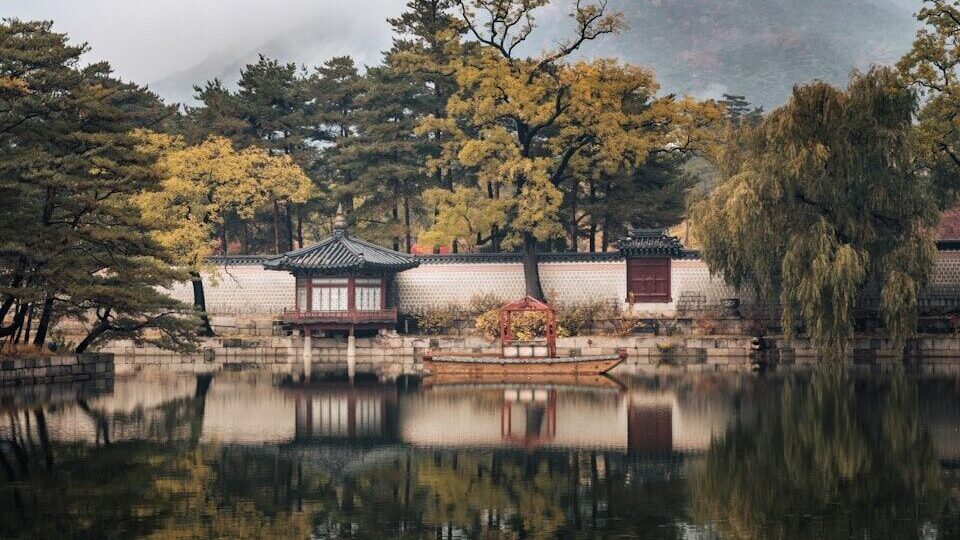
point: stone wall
(243, 287)
(435, 284)
(389, 356)
(56, 369)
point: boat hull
(479, 365)
(512, 380)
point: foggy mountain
(758, 48)
(761, 48)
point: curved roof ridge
(342, 252)
(345, 242)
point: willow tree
(200, 184)
(933, 66)
(519, 121)
(820, 201)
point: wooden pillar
(352, 294)
(309, 306)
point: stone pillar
(351, 355)
(307, 355)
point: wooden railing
(349, 317)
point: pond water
(785, 455)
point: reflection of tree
(104, 491)
(824, 461)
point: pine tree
(71, 239)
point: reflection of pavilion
(341, 411)
(539, 417)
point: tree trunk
(288, 211)
(16, 337)
(408, 235)
(223, 239)
(593, 218)
(200, 304)
(14, 327)
(396, 221)
(572, 227)
(276, 227)
(95, 332)
(605, 242)
(246, 238)
(29, 323)
(44, 325)
(300, 227)
(531, 268)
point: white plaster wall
(946, 275)
(242, 289)
(252, 290)
(571, 283)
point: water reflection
(240, 456)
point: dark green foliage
(821, 200)
(71, 240)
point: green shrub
(480, 304)
(438, 320)
(583, 318)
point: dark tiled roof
(341, 252)
(645, 242)
(515, 257)
(239, 260)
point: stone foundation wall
(56, 369)
(391, 356)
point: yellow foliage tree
(201, 184)
(522, 123)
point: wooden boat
(492, 365)
(523, 357)
(510, 380)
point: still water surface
(795, 455)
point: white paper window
(302, 296)
(367, 298)
(330, 294)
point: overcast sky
(172, 45)
(149, 40)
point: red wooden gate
(648, 280)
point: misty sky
(759, 48)
(149, 40)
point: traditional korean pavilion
(342, 283)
